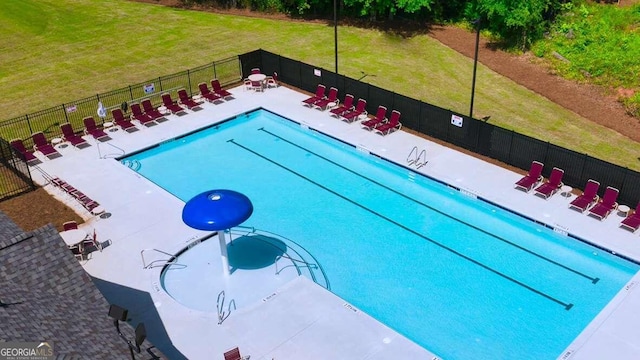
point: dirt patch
(36, 209)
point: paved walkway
(297, 319)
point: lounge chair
(69, 225)
(152, 111)
(138, 114)
(532, 179)
(392, 125)
(234, 354)
(604, 207)
(380, 118)
(121, 122)
(354, 115)
(319, 95)
(171, 105)
(22, 151)
(90, 128)
(632, 222)
(188, 101)
(552, 186)
(215, 85)
(331, 99)
(347, 105)
(588, 197)
(41, 144)
(69, 135)
(208, 94)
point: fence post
(215, 73)
(64, 110)
(29, 123)
(160, 82)
(189, 80)
(131, 92)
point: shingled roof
(45, 295)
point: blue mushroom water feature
(217, 210)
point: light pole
(335, 30)
(475, 65)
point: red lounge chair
(353, 115)
(121, 122)
(588, 197)
(632, 222)
(215, 85)
(40, 144)
(332, 98)
(26, 155)
(318, 96)
(532, 179)
(234, 354)
(347, 105)
(603, 208)
(90, 128)
(208, 95)
(381, 117)
(187, 101)
(168, 102)
(138, 114)
(552, 186)
(391, 126)
(69, 135)
(152, 111)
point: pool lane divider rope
(593, 280)
(567, 306)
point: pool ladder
(306, 264)
(222, 315)
(419, 159)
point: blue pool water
(459, 276)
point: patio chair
(22, 151)
(41, 144)
(319, 95)
(532, 179)
(171, 105)
(217, 88)
(354, 115)
(632, 221)
(330, 100)
(187, 101)
(380, 118)
(208, 94)
(347, 105)
(272, 81)
(69, 135)
(92, 241)
(247, 84)
(91, 129)
(121, 122)
(588, 197)
(152, 111)
(257, 85)
(604, 207)
(234, 354)
(255, 71)
(552, 186)
(392, 125)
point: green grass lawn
(56, 51)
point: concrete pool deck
(298, 319)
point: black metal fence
(48, 121)
(478, 136)
(15, 178)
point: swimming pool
(461, 277)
